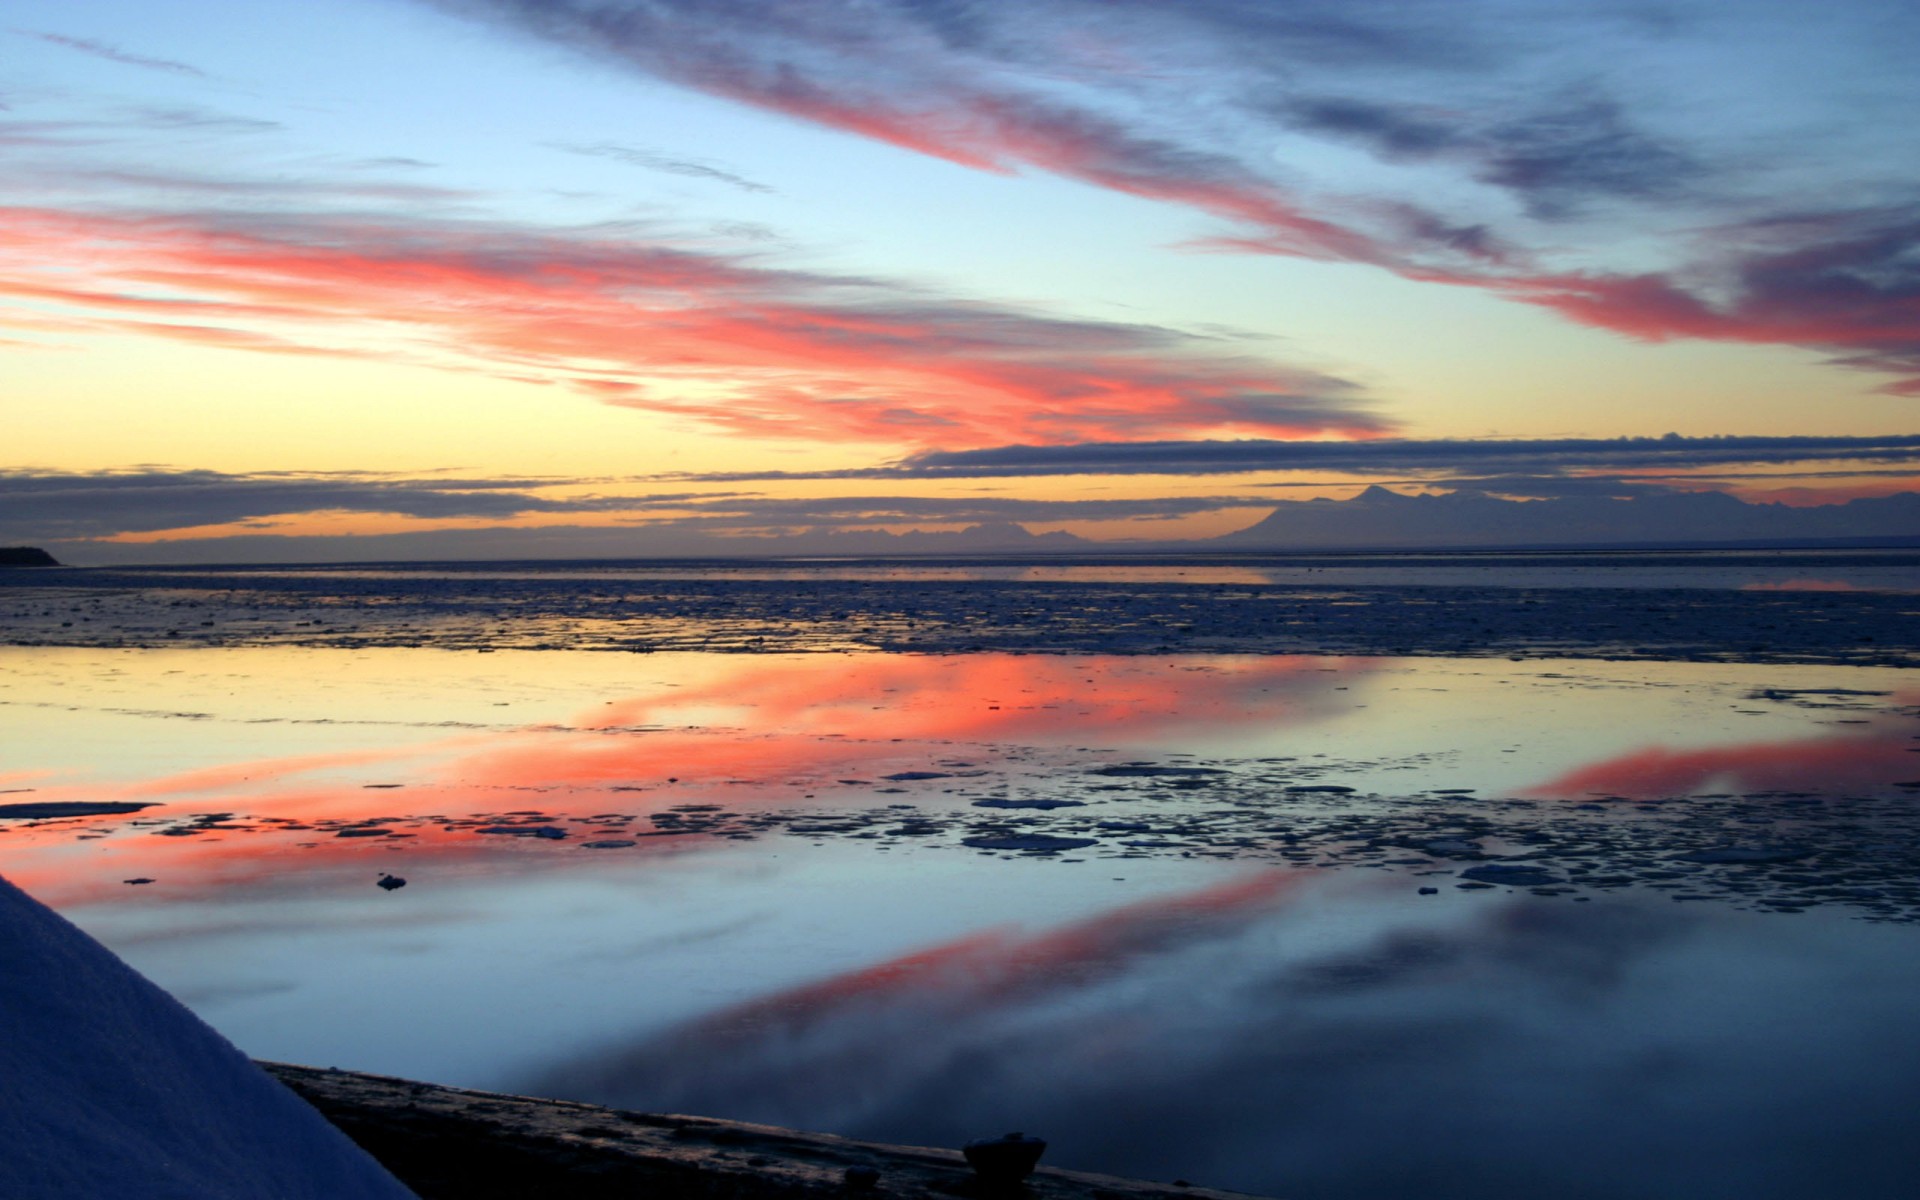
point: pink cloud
(793, 354)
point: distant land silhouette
(26, 556)
(1378, 519)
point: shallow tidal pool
(1300, 925)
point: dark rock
(26, 556)
(1004, 1160)
(861, 1179)
(390, 882)
(1032, 843)
(1745, 854)
(528, 831)
(46, 809)
(905, 776)
(1043, 804)
(136, 882)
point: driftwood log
(453, 1144)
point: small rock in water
(1744, 854)
(1429, 891)
(390, 882)
(997, 802)
(1004, 1160)
(1032, 843)
(532, 831)
(142, 879)
(861, 1179)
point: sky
(605, 271)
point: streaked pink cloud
(652, 326)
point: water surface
(1170, 911)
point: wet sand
(738, 610)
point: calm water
(1165, 910)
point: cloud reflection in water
(1515, 1048)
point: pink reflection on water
(758, 732)
(1866, 761)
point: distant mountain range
(1381, 519)
(1376, 519)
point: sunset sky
(603, 268)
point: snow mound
(110, 1087)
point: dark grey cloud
(1588, 150)
(1399, 455)
(1391, 130)
(53, 506)
(688, 167)
(1557, 159)
(1442, 458)
(49, 506)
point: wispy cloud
(1515, 147)
(727, 342)
(689, 167)
(1438, 459)
(112, 53)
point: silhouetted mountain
(26, 556)
(1379, 519)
